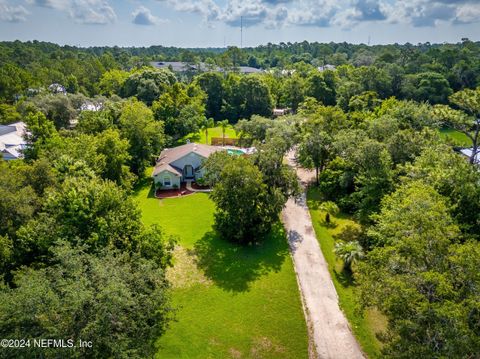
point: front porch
(173, 192)
(186, 187)
(188, 173)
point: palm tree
(349, 253)
(330, 208)
(206, 124)
(223, 124)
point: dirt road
(328, 327)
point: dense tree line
(417, 202)
(250, 192)
(76, 261)
(414, 252)
(369, 128)
(424, 72)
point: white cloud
(143, 16)
(467, 13)
(208, 9)
(12, 13)
(421, 13)
(53, 4)
(279, 13)
(252, 12)
(319, 13)
(98, 12)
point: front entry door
(188, 171)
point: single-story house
(281, 112)
(326, 67)
(180, 164)
(12, 140)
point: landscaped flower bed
(195, 185)
(169, 193)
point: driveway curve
(329, 331)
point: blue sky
(204, 23)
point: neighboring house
(178, 66)
(326, 67)
(249, 70)
(468, 152)
(86, 106)
(175, 66)
(179, 164)
(281, 112)
(57, 88)
(11, 140)
(91, 106)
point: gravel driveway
(329, 331)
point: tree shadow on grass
(195, 137)
(234, 267)
(140, 186)
(330, 225)
(345, 278)
(314, 197)
(151, 191)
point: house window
(167, 181)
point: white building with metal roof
(12, 141)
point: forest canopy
(372, 122)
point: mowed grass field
(233, 302)
(364, 327)
(456, 137)
(199, 137)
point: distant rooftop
(249, 70)
(178, 66)
(6, 129)
(468, 152)
(57, 88)
(11, 140)
(326, 67)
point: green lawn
(199, 137)
(233, 302)
(364, 327)
(456, 137)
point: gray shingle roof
(7, 129)
(11, 140)
(170, 155)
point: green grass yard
(199, 137)
(364, 327)
(456, 137)
(233, 302)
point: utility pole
(368, 40)
(241, 32)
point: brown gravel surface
(329, 329)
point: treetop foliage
(371, 124)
